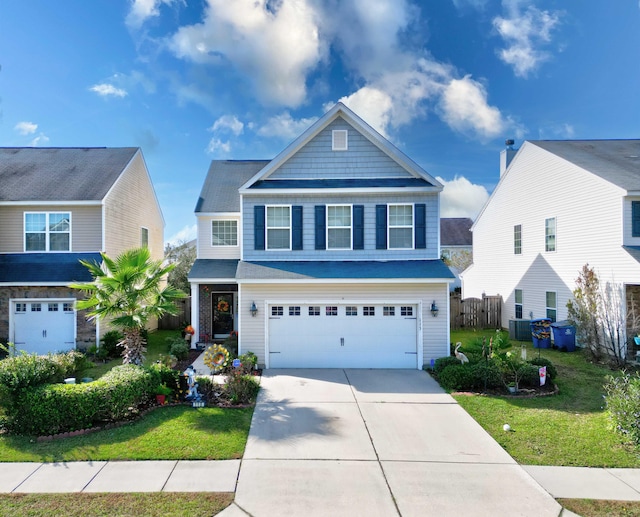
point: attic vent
(340, 140)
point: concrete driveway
(374, 442)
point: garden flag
(543, 375)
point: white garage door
(44, 326)
(343, 336)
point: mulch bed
(547, 390)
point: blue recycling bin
(541, 333)
(564, 336)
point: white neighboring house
(327, 256)
(558, 206)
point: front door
(222, 314)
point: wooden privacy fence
(180, 320)
(475, 313)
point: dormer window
(339, 140)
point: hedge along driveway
(167, 433)
(571, 428)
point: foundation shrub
(109, 344)
(442, 362)
(179, 349)
(623, 405)
(486, 371)
(241, 388)
(457, 377)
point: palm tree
(128, 291)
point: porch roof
(357, 270)
(634, 251)
(218, 269)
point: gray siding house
(57, 206)
(326, 256)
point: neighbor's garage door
(343, 336)
(44, 326)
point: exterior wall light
(434, 309)
(253, 309)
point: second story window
(144, 237)
(635, 218)
(400, 226)
(278, 228)
(224, 233)
(517, 239)
(47, 231)
(550, 234)
(339, 227)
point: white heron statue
(459, 355)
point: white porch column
(195, 313)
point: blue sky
(447, 81)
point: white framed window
(339, 218)
(314, 310)
(400, 227)
(389, 310)
(144, 237)
(518, 303)
(368, 311)
(406, 311)
(352, 310)
(339, 140)
(47, 231)
(224, 233)
(517, 239)
(550, 234)
(278, 228)
(552, 305)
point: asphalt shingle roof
(60, 174)
(617, 161)
(46, 267)
(214, 268)
(342, 183)
(456, 231)
(220, 190)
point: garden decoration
(216, 358)
(188, 333)
(193, 394)
(459, 355)
(223, 306)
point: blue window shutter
(420, 226)
(381, 227)
(635, 218)
(258, 227)
(296, 235)
(358, 227)
(321, 227)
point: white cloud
(108, 90)
(141, 10)
(218, 146)
(285, 126)
(524, 31)
(26, 128)
(41, 139)
(272, 44)
(461, 198)
(186, 234)
(228, 123)
(464, 108)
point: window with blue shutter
(258, 227)
(635, 218)
(381, 227)
(358, 227)
(296, 220)
(421, 226)
(321, 228)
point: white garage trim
(418, 304)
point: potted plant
(162, 393)
(512, 387)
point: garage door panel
(342, 336)
(43, 326)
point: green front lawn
(168, 433)
(570, 428)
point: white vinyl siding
(339, 227)
(400, 227)
(278, 228)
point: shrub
(56, 408)
(486, 371)
(167, 376)
(179, 348)
(442, 362)
(456, 377)
(552, 371)
(623, 405)
(248, 362)
(231, 344)
(30, 370)
(529, 376)
(110, 344)
(241, 388)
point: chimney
(506, 155)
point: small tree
(183, 255)
(582, 311)
(129, 291)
